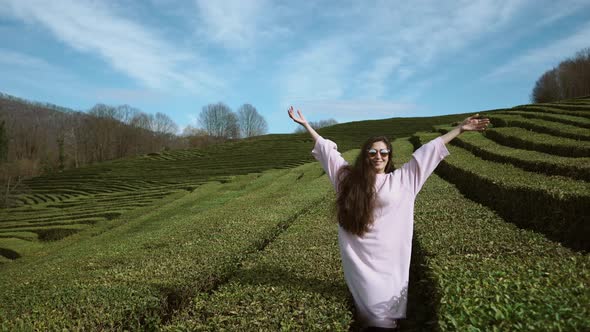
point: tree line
(316, 125)
(570, 79)
(220, 122)
(38, 138)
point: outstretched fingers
(474, 123)
(299, 118)
(481, 124)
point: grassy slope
(136, 274)
(141, 272)
(59, 205)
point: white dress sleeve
(424, 160)
(326, 152)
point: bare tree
(11, 177)
(570, 79)
(193, 131)
(3, 142)
(196, 137)
(251, 122)
(163, 124)
(547, 88)
(39, 137)
(219, 121)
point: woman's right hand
(299, 119)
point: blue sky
(347, 60)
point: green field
(241, 236)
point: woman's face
(379, 161)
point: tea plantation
(241, 236)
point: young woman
(375, 207)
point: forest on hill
(569, 79)
(41, 138)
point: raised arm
(324, 150)
(472, 123)
(300, 119)
(414, 173)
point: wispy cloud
(125, 96)
(11, 58)
(344, 111)
(21, 69)
(373, 80)
(395, 42)
(551, 11)
(356, 109)
(238, 24)
(536, 61)
(96, 28)
(317, 72)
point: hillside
(61, 204)
(45, 138)
(200, 239)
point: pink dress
(376, 266)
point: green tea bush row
(490, 275)
(68, 217)
(83, 210)
(577, 168)
(17, 246)
(524, 139)
(552, 110)
(186, 169)
(570, 107)
(567, 119)
(137, 274)
(574, 102)
(23, 235)
(540, 125)
(295, 284)
(529, 199)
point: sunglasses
(383, 152)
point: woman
(375, 207)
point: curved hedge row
(577, 168)
(528, 199)
(295, 283)
(552, 110)
(524, 139)
(136, 275)
(567, 119)
(487, 274)
(540, 125)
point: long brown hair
(356, 190)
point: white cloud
(10, 58)
(342, 111)
(536, 61)
(374, 80)
(137, 51)
(395, 43)
(21, 69)
(237, 24)
(552, 11)
(355, 109)
(122, 95)
(317, 72)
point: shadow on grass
(283, 278)
(423, 299)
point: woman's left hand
(472, 123)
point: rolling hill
(241, 236)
